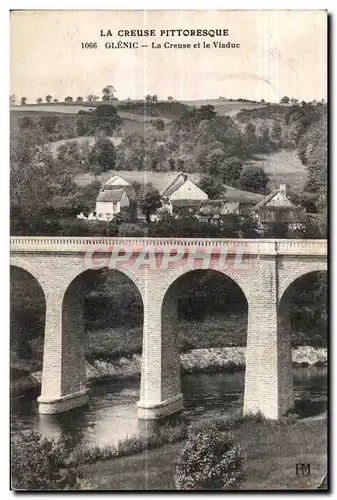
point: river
(112, 414)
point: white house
(115, 194)
(277, 207)
(109, 203)
(181, 192)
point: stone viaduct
(264, 270)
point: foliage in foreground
(168, 433)
(41, 464)
(209, 460)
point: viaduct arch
(264, 271)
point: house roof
(176, 181)
(267, 198)
(113, 195)
(113, 179)
(128, 189)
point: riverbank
(272, 453)
(226, 359)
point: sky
(281, 53)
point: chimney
(283, 189)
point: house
(277, 207)
(181, 193)
(115, 195)
(234, 201)
(109, 202)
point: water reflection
(112, 413)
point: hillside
(132, 122)
(283, 167)
(227, 108)
(159, 180)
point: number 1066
(89, 45)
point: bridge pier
(160, 388)
(269, 378)
(63, 375)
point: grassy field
(225, 107)
(272, 453)
(133, 123)
(158, 179)
(221, 106)
(284, 167)
(74, 110)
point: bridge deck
(248, 246)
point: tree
(148, 98)
(68, 99)
(79, 99)
(108, 93)
(128, 229)
(285, 100)
(172, 164)
(92, 98)
(276, 132)
(149, 202)
(278, 229)
(231, 170)
(23, 101)
(249, 228)
(82, 127)
(49, 123)
(155, 99)
(55, 100)
(211, 186)
(103, 155)
(170, 98)
(250, 137)
(181, 164)
(159, 124)
(39, 100)
(85, 198)
(214, 161)
(33, 179)
(254, 178)
(209, 460)
(131, 153)
(104, 118)
(49, 98)
(207, 112)
(12, 100)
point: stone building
(234, 201)
(115, 195)
(181, 193)
(277, 207)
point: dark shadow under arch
(199, 293)
(27, 321)
(302, 321)
(98, 320)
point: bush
(223, 423)
(41, 464)
(209, 460)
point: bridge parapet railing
(246, 246)
(301, 247)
